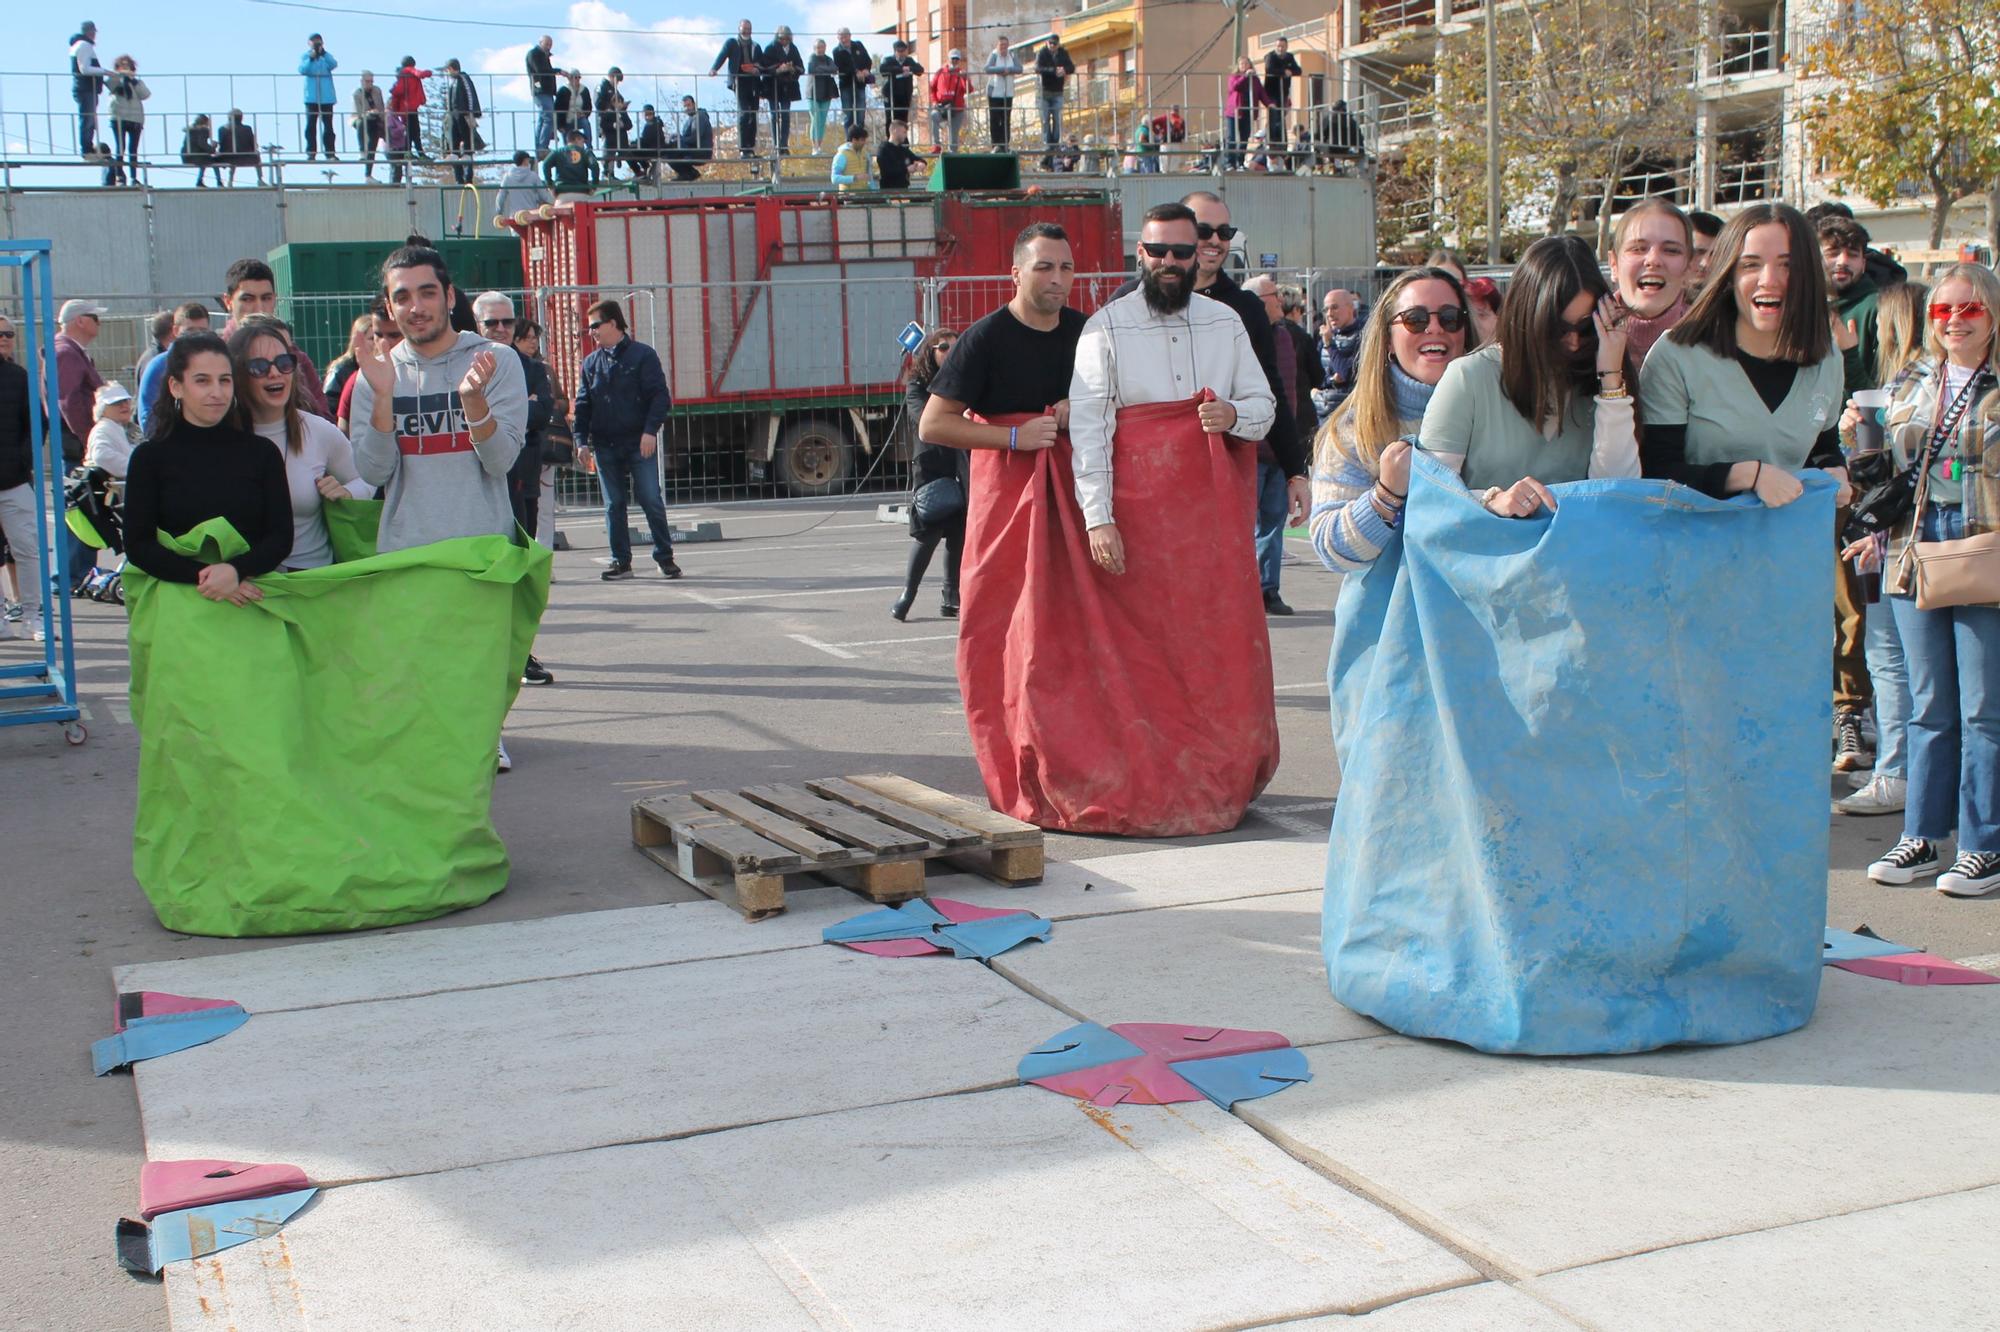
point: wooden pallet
(872, 833)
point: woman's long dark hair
(1804, 334)
(924, 363)
(1537, 375)
(248, 333)
(167, 413)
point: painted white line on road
(120, 712)
(806, 592)
(1295, 688)
(702, 597)
(895, 539)
(830, 649)
(878, 642)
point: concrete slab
(1028, 1210)
(1543, 1164)
(387, 966)
(470, 1077)
(1490, 1307)
(1252, 963)
(1930, 1263)
(623, 1238)
(1002, 1210)
(1147, 880)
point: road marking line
(804, 592)
(878, 642)
(1294, 688)
(702, 597)
(828, 648)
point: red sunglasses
(1963, 310)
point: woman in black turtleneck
(198, 463)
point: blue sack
(1583, 769)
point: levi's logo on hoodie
(428, 423)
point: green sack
(323, 759)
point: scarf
(1642, 333)
(1411, 394)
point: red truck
(778, 318)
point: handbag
(937, 503)
(1965, 572)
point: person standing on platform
(317, 65)
(821, 88)
(370, 121)
(853, 72)
(621, 408)
(898, 74)
(1053, 67)
(407, 99)
(784, 68)
(741, 63)
(542, 84)
(87, 83)
(949, 89)
(1280, 68)
(1003, 67)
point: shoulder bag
(1965, 572)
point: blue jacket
(319, 77)
(623, 395)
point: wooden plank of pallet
(995, 829)
(712, 853)
(842, 821)
(775, 827)
(745, 851)
(895, 812)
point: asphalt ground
(775, 658)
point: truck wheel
(814, 457)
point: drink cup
(1873, 403)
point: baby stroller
(94, 515)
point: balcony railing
(1744, 53)
(1747, 182)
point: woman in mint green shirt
(1747, 389)
(1549, 401)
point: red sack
(1136, 703)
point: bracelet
(471, 426)
(1602, 373)
(1013, 437)
(1390, 497)
(1757, 475)
(1612, 395)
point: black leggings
(920, 560)
(125, 135)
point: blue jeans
(625, 476)
(545, 123)
(1954, 731)
(1891, 674)
(86, 124)
(1271, 505)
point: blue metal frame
(54, 676)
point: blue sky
(251, 38)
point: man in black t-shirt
(894, 159)
(1016, 360)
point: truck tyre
(815, 456)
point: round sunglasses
(259, 366)
(1417, 318)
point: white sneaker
(1905, 861)
(1973, 874)
(1882, 795)
(1857, 780)
(506, 762)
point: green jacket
(1858, 304)
(573, 170)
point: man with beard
(1145, 704)
(1283, 482)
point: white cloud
(659, 59)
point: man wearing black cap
(899, 74)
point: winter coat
(128, 93)
(367, 108)
(783, 66)
(408, 95)
(318, 70)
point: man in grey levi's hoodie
(439, 421)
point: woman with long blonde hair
(1945, 419)
(1361, 461)
(1899, 328)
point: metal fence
(1103, 119)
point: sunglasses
(7, 333)
(496, 323)
(1160, 250)
(259, 366)
(1206, 232)
(1417, 318)
(1962, 310)
(596, 324)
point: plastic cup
(1868, 435)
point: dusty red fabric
(1137, 704)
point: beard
(1161, 299)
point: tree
(1586, 89)
(1909, 104)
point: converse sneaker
(1973, 874)
(1909, 858)
(1849, 752)
(1882, 794)
(13, 613)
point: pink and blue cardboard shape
(1867, 954)
(149, 1023)
(1161, 1063)
(201, 1207)
(937, 925)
